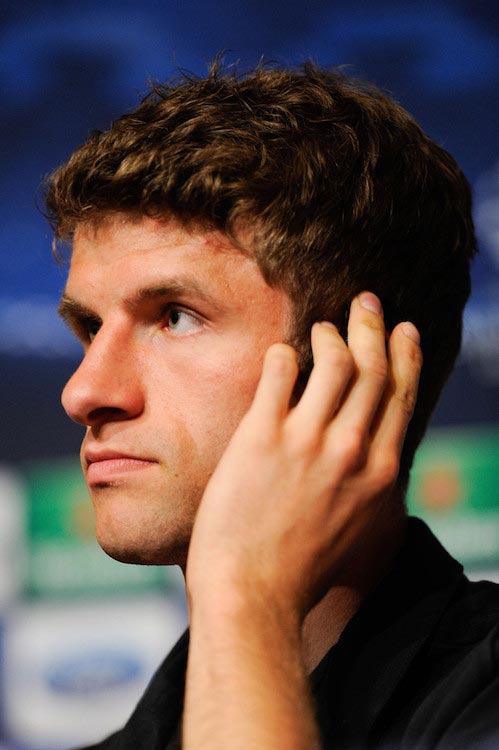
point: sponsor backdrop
(80, 635)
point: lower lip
(112, 469)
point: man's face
(175, 325)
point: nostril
(106, 414)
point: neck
(326, 621)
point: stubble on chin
(135, 529)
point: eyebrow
(181, 288)
(71, 309)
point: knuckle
(386, 471)
(374, 322)
(304, 444)
(336, 358)
(412, 352)
(406, 397)
(352, 450)
(376, 365)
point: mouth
(108, 467)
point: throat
(326, 621)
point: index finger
(275, 387)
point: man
(227, 234)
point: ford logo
(92, 672)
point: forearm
(246, 683)
(292, 500)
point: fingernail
(412, 332)
(328, 324)
(371, 302)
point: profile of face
(174, 324)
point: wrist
(246, 656)
(239, 603)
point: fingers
(359, 371)
(333, 368)
(355, 393)
(366, 343)
(397, 406)
(274, 390)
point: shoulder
(471, 617)
(459, 696)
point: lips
(104, 467)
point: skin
(282, 515)
(170, 394)
(333, 519)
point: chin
(138, 547)
(145, 554)
(143, 530)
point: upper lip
(93, 455)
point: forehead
(121, 254)
(118, 237)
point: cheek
(210, 399)
(226, 394)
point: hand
(298, 489)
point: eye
(180, 322)
(91, 328)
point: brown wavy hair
(341, 187)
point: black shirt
(417, 668)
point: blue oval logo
(92, 672)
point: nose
(107, 385)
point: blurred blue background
(70, 67)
